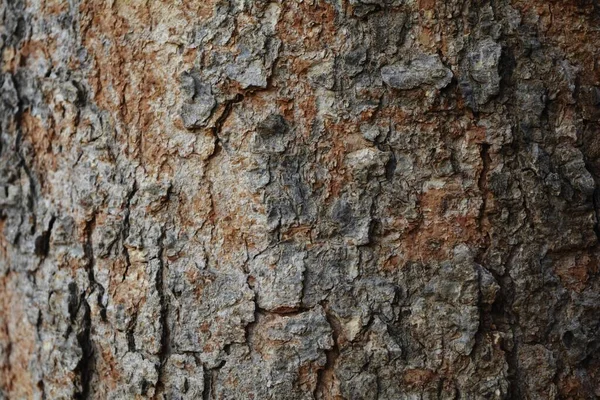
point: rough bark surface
(305, 199)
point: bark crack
(126, 228)
(165, 339)
(42, 242)
(86, 363)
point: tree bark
(306, 199)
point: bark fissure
(126, 227)
(165, 335)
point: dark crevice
(126, 228)
(206, 392)
(390, 167)
(131, 332)
(73, 301)
(482, 184)
(514, 381)
(596, 201)
(42, 242)
(210, 378)
(165, 339)
(85, 367)
(86, 364)
(285, 311)
(42, 387)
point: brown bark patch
(17, 335)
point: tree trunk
(305, 199)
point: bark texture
(304, 199)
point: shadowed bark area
(303, 199)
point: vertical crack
(42, 242)
(85, 365)
(596, 205)
(482, 184)
(126, 228)
(207, 389)
(165, 339)
(131, 332)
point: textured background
(305, 199)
